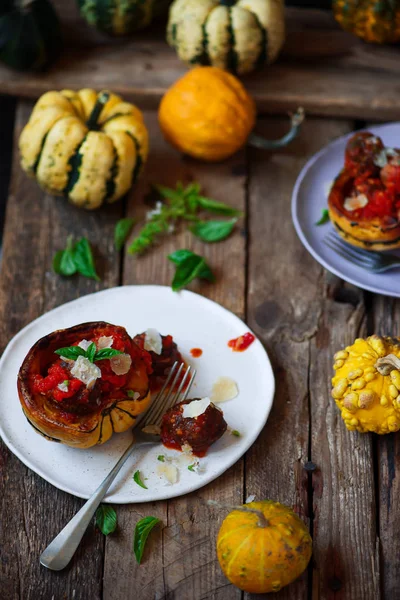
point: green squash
(121, 17)
(235, 35)
(30, 35)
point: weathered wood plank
(290, 311)
(283, 309)
(36, 226)
(345, 535)
(185, 546)
(321, 68)
(386, 319)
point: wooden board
(321, 68)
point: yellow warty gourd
(366, 386)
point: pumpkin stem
(262, 520)
(386, 364)
(102, 99)
(296, 120)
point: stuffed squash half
(364, 202)
(80, 385)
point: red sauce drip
(241, 343)
(196, 352)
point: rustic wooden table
(345, 486)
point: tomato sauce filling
(198, 432)
(74, 396)
(241, 343)
(370, 171)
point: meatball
(160, 364)
(199, 432)
(362, 150)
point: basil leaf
(72, 352)
(187, 271)
(189, 266)
(179, 256)
(218, 208)
(324, 217)
(142, 530)
(161, 457)
(83, 259)
(138, 479)
(91, 352)
(106, 353)
(122, 231)
(213, 231)
(192, 467)
(106, 519)
(236, 433)
(63, 263)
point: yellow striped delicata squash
(89, 147)
(236, 35)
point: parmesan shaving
(105, 341)
(169, 472)
(152, 429)
(120, 364)
(86, 371)
(353, 203)
(224, 389)
(63, 387)
(84, 344)
(195, 408)
(153, 341)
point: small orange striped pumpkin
(263, 546)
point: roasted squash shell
(98, 425)
(380, 233)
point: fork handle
(59, 552)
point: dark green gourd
(30, 35)
(123, 16)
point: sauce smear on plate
(241, 343)
(196, 352)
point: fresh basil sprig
(189, 266)
(142, 531)
(122, 231)
(73, 352)
(76, 258)
(106, 519)
(137, 478)
(213, 231)
(324, 217)
(180, 204)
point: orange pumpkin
(209, 114)
(263, 546)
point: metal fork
(375, 262)
(59, 552)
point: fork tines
(169, 394)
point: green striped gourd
(85, 146)
(235, 35)
(30, 36)
(121, 17)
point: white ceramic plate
(193, 321)
(310, 198)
